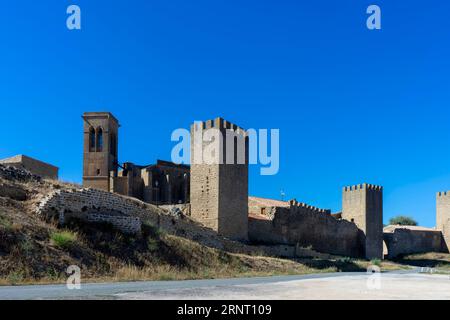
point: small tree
(403, 221)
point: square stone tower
(363, 205)
(219, 177)
(100, 149)
(443, 217)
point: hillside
(33, 249)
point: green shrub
(148, 229)
(52, 273)
(5, 223)
(15, 277)
(152, 244)
(26, 246)
(345, 260)
(403, 221)
(375, 262)
(64, 239)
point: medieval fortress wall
(219, 202)
(218, 196)
(402, 240)
(307, 226)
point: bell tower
(100, 133)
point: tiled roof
(258, 216)
(264, 202)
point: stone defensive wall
(93, 205)
(401, 240)
(307, 226)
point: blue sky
(352, 105)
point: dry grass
(251, 267)
(34, 251)
(439, 262)
(216, 264)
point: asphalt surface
(392, 285)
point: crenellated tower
(363, 205)
(443, 217)
(219, 177)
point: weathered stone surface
(307, 226)
(177, 209)
(402, 240)
(97, 205)
(17, 174)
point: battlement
(220, 124)
(299, 206)
(363, 186)
(443, 194)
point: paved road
(392, 285)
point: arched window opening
(99, 140)
(91, 139)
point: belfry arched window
(91, 139)
(99, 139)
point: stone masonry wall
(97, 205)
(307, 226)
(205, 195)
(126, 224)
(407, 241)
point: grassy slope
(35, 251)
